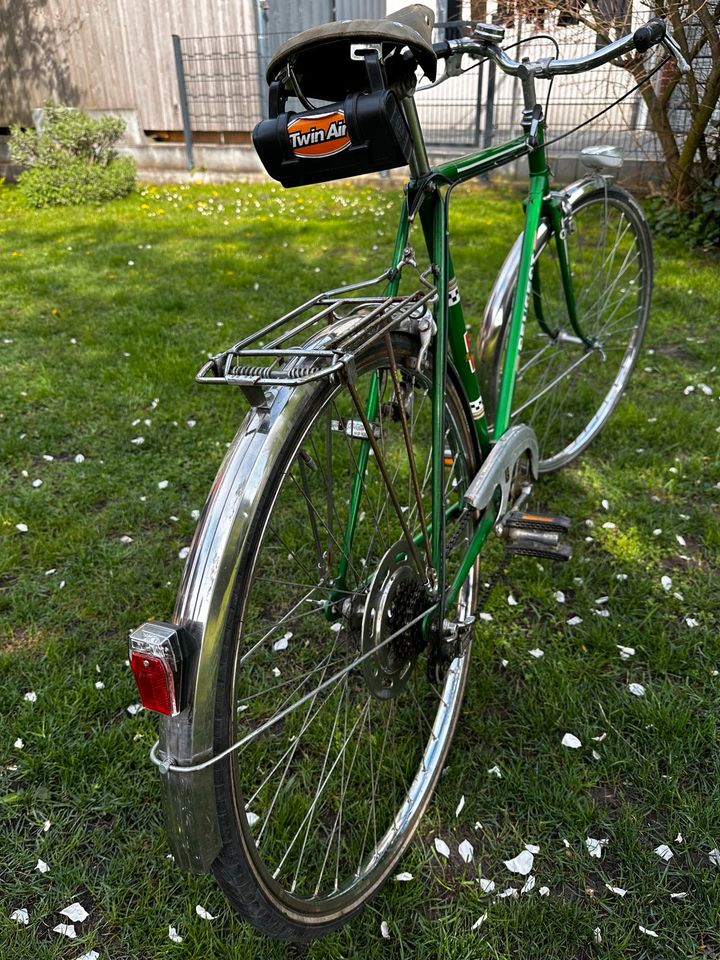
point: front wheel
(570, 380)
(324, 666)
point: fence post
(182, 90)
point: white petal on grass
(458, 809)
(678, 896)
(618, 890)
(479, 922)
(38, 483)
(605, 504)
(162, 484)
(20, 916)
(495, 770)
(714, 857)
(203, 913)
(282, 643)
(570, 740)
(30, 696)
(487, 886)
(134, 708)
(99, 685)
(522, 863)
(79, 458)
(650, 933)
(574, 621)
(544, 891)
(596, 755)
(597, 935)
(484, 615)
(537, 653)
(126, 539)
(22, 527)
(609, 525)
(46, 826)
(507, 892)
(92, 955)
(384, 930)
(680, 540)
(512, 602)
(692, 622)
(442, 848)
(595, 847)
(636, 689)
(657, 531)
(75, 912)
(403, 877)
(529, 884)
(182, 555)
(625, 652)
(466, 851)
(666, 582)
(560, 596)
(138, 441)
(66, 930)
(679, 838)
(252, 818)
(19, 744)
(174, 935)
(532, 847)
(664, 852)
(41, 866)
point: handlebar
(483, 44)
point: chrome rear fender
(488, 349)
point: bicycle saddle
(321, 61)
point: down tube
(538, 187)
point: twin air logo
(320, 135)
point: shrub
(72, 160)
(699, 226)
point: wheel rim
(339, 783)
(565, 390)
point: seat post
(419, 163)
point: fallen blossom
(636, 689)
(595, 847)
(66, 929)
(252, 818)
(495, 770)
(403, 877)
(679, 838)
(458, 809)
(666, 582)
(664, 852)
(282, 643)
(442, 848)
(608, 525)
(182, 554)
(650, 933)
(618, 890)
(99, 685)
(79, 458)
(625, 652)
(203, 913)
(466, 851)
(75, 912)
(174, 935)
(162, 484)
(597, 935)
(487, 886)
(38, 483)
(692, 622)
(544, 891)
(574, 621)
(385, 930)
(507, 892)
(537, 653)
(714, 857)
(522, 863)
(19, 744)
(678, 896)
(46, 826)
(484, 615)
(528, 885)
(604, 504)
(22, 527)
(559, 596)
(92, 955)
(41, 866)
(512, 602)
(20, 916)
(134, 708)
(126, 539)
(570, 740)
(138, 441)
(479, 922)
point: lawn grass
(105, 316)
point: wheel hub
(397, 596)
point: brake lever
(672, 47)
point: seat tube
(419, 163)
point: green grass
(90, 344)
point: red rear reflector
(155, 683)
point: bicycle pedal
(535, 522)
(526, 545)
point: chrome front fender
(488, 348)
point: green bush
(72, 160)
(699, 226)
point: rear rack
(319, 338)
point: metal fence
(223, 95)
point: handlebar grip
(649, 34)
(442, 50)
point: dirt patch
(18, 640)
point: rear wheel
(324, 663)
(568, 386)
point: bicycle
(312, 675)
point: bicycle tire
(565, 391)
(251, 867)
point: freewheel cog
(397, 596)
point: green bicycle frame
(425, 196)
